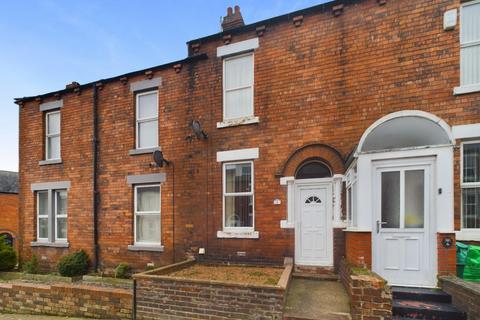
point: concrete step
(426, 310)
(331, 316)
(316, 276)
(421, 294)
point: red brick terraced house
(348, 129)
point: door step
(316, 276)
(419, 303)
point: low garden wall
(65, 299)
(370, 296)
(465, 295)
(158, 295)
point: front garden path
(317, 299)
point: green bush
(122, 271)
(75, 264)
(31, 266)
(8, 257)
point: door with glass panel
(404, 244)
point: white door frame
(326, 183)
(430, 241)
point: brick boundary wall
(465, 295)
(158, 295)
(370, 296)
(66, 300)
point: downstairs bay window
(238, 197)
(52, 217)
(470, 184)
(351, 197)
(147, 215)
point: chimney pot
(233, 19)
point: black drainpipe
(95, 190)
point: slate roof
(8, 182)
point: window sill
(49, 244)
(238, 234)
(47, 162)
(237, 122)
(135, 152)
(466, 89)
(468, 235)
(139, 247)
(356, 229)
(285, 224)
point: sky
(45, 44)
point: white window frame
(466, 185)
(350, 182)
(139, 120)
(150, 213)
(251, 193)
(56, 215)
(49, 135)
(251, 115)
(472, 87)
(43, 216)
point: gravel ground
(29, 317)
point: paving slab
(316, 299)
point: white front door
(313, 223)
(404, 244)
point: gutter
(96, 199)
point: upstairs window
(52, 133)
(147, 120)
(471, 185)
(238, 87)
(470, 43)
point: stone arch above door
(314, 152)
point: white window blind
(238, 87)
(147, 120)
(147, 214)
(470, 44)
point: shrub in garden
(75, 264)
(122, 271)
(31, 266)
(8, 257)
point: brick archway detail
(328, 154)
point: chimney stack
(233, 19)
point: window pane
(62, 228)
(238, 72)
(470, 65)
(43, 227)
(471, 163)
(414, 198)
(354, 204)
(53, 123)
(311, 170)
(239, 211)
(61, 202)
(148, 199)
(238, 103)
(238, 178)
(148, 228)
(471, 202)
(470, 29)
(147, 106)
(391, 199)
(53, 147)
(42, 203)
(147, 134)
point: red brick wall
(358, 248)
(447, 257)
(9, 215)
(323, 82)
